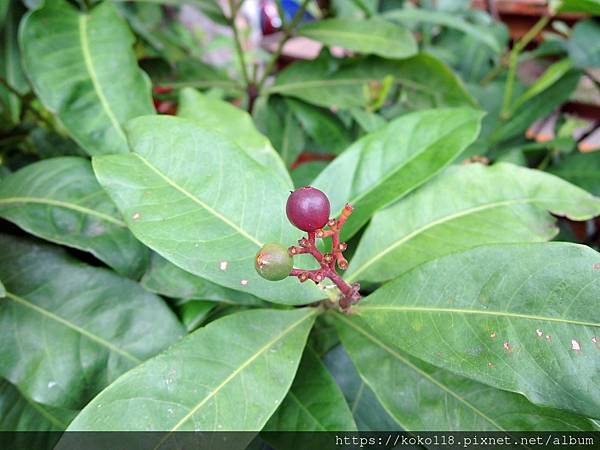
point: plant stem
(513, 62)
(234, 8)
(25, 102)
(287, 34)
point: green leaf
(201, 202)
(323, 127)
(368, 412)
(584, 44)
(519, 317)
(194, 312)
(278, 122)
(371, 36)
(552, 74)
(2, 290)
(305, 173)
(196, 386)
(165, 278)
(10, 65)
(465, 207)
(83, 68)
(582, 169)
(445, 401)
(536, 108)
(367, 120)
(584, 6)
(314, 402)
(69, 329)
(4, 4)
(387, 164)
(60, 200)
(428, 82)
(223, 117)
(194, 73)
(19, 413)
(411, 15)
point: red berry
(308, 208)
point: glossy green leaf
(519, 317)
(465, 207)
(194, 312)
(196, 386)
(60, 200)
(446, 19)
(584, 44)
(200, 201)
(323, 127)
(582, 169)
(550, 76)
(314, 402)
(275, 119)
(18, 413)
(10, 65)
(165, 278)
(390, 162)
(223, 117)
(427, 81)
(370, 36)
(83, 68)
(444, 401)
(368, 412)
(69, 329)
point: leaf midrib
(89, 65)
(437, 310)
(412, 158)
(449, 218)
(306, 410)
(27, 304)
(236, 372)
(195, 199)
(66, 205)
(419, 371)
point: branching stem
(328, 261)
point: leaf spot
(244, 282)
(223, 265)
(548, 338)
(507, 346)
(490, 365)
(539, 333)
(595, 340)
(597, 266)
(493, 334)
(575, 345)
(136, 216)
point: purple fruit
(308, 208)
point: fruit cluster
(308, 209)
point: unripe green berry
(273, 262)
